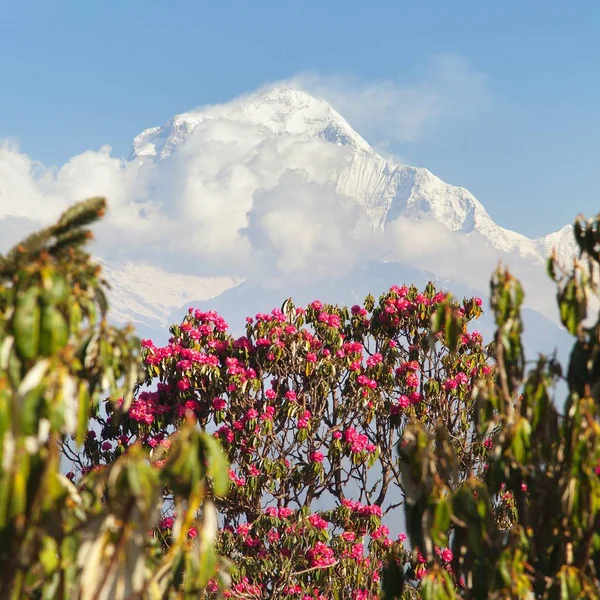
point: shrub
(309, 405)
(543, 464)
(58, 359)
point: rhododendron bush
(308, 406)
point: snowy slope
(146, 295)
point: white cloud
(306, 230)
(234, 201)
(203, 211)
(447, 90)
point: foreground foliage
(330, 419)
(546, 463)
(58, 360)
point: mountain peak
(279, 110)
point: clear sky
(520, 128)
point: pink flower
(317, 522)
(445, 555)
(357, 551)
(183, 384)
(404, 401)
(268, 414)
(357, 441)
(449, 384)
(412, 380)
(219, 404)
(461, 378)
(316, 305)
(380, 532)
(374, 360)
(348, 536)
(311, 357)
(304, 419)
(225, 433)
(321, 555)
(316, 457)
(273, 536)
(251, 414)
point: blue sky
(78, 75)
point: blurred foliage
(543, 466)
(59, 359)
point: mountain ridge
(386, 190)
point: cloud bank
(234, 201)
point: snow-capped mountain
(218, 199)
(279, 110)
(387, 191)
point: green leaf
(452, 330)
(54, 331)
(393, 580)
(570, 303)
(441, 522)
(49, 555)
(218, 467)
(81, 214)
(26, 323)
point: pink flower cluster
(330, 319)
(364, 381)
(321, 555)
(316, 457)
(239, 481)
(244, 589)
(317, 521)
(361, 509)
(304, 420)
(358, 441)
(280, 513)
